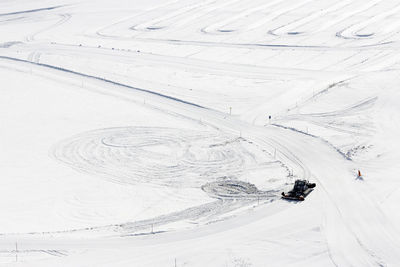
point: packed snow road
(162, 133)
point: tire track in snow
(129, 140)
(325, 119)
(150, 25)
(125, 155)
(342, 16)
(353, 32)
(216, 27)
(64, 18)
(98, 79)
(31, 11)
(331, 172)
(276, 14)
(102, 31)
(291, 27)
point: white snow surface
(137, 133)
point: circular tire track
(166, 157)
(155, 155)
(234, 189)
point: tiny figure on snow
(359, 176)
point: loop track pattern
(155, 155)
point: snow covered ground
(137, 133)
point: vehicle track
(354, 31)
(308, 156)
(293, 27)
(128, 155)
